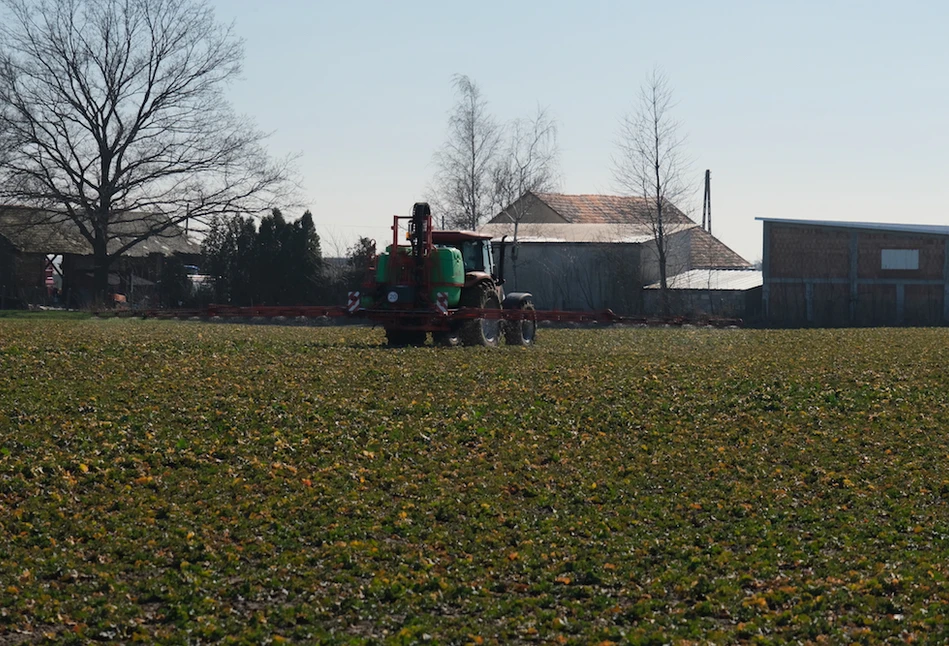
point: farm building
(46, 260)
(728, 293)
(854, 273)
(586, 252)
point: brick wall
(870, 247)
(813, 278)
(808, 252)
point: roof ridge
(578, 208)
(622, 197)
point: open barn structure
(45, 260)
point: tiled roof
(37, 232)
(709, 252)
(607, 209)
(705, 250)
(613, 218)
(537, 232)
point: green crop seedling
(170, 482)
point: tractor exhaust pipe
(421, 225)
(420, 236)
(500, 278)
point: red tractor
(446, 283)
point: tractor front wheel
(483, 331)
(524, 331)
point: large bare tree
(113, 118)
(463, 188)
(651, 163)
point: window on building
(899, 259)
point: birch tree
(463, 189)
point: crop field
(180, 482)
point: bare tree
(651, 163)
(113, 119)
(528, 163)
(462, 187)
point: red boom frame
(315, 311)
(422, 315)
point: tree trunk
(100, 274)
(663, 284)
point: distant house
(826, 273)
(44, 259)
(583, 252)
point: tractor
(445, 283)
(442, 282)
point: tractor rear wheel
(483, 331)
(397, 338)
(524, 331)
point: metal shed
(733, 293)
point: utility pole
(707, 203)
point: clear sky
(812, 109)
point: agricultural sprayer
(443, 283)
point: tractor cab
(475, 249)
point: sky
(830, 110)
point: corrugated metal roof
(528, 233)
(933, 229)
(33, 231)
(728, 280)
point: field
(190, 483)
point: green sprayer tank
(446, 265)
(448, 273)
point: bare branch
(529, 163)
(651, 164)
(462, 187)
(114, 110)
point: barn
(825, 273)
(589, 252)
(46, 261)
